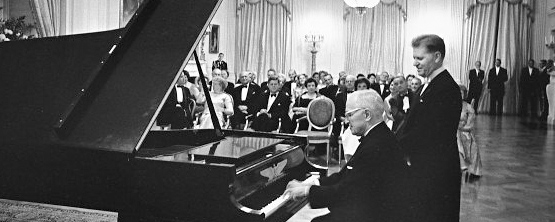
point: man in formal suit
(529, 86)
(543, 82)
(370, 186)
(244, 96)
(429, 136)
(340, 102)
(270, 107)
(291, 84)
(383, 85)
(220, 63)
(400, 102)
(415, 83)
(476, 78)
(497, 77)
(330, 90)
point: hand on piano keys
(297, 190)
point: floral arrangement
(14, 29)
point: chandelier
(361, 5)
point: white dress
(221, 101)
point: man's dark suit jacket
(370, 186)
(529, 84)
(429, 140)
(475, 85)
(496, 83)
(252, 93)
(288, 85)
(385, 92)
(399, 115)
(330, 91)
(222, 65)
(279, 109)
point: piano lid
(117, 104)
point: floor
(518, 185)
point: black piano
(76, 119)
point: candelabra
(313, 46)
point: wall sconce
(313, 46)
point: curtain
(263, 29)
(481, 23)
(48, 16)
(374, 39)
(512, 45)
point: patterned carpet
(18, 211)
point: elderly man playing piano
(369, 187)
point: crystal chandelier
(361, 5)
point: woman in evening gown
(223, 104)
(469, 151)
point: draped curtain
(374, 40)
(512, 45)
(48, 16)
(263, 32)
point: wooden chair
(320, 116)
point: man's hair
(498, 60)
(271, 69)
(221, 53)
(411, 75)
(360, 75)
(368, 99)
(433, 43)
(273, 78)
(371, 74)
(186, 73)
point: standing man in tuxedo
(270, 107)
(529, 89)
(383, 85)
(497, 77)
(429, 137)
(476, 77)
(370, 186)
(220, 63)
(244, 96)
(330, 89)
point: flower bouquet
(14, 29)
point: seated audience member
(291, 84)
(215, 73)
(370, 187)
(175, 113)
(223, 104)
(340, 101)
(415, 83)
(184, 81)
(301, 103)
(270, 107)
(469, 151)
(301, 87)
(271, 73)
(244, 96)
(330, 89)
(230, 85)
(252, 78)
(383, 85)
(342, 75)
(361, 84)
(282, 87)
(316, 76)
(410, 77)
(372, 79)
(388, 116)
(398, 102)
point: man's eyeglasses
(350, 113)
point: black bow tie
(361, 138)
(273, 95)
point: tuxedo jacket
(279, 109)
(476, 79)
(252, 94)
(529, 84)
(385, 93)
(330, 91)
(399, 114)
(178, 116)
(222, 65)
(496, 83)
(370, 186)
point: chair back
(320, 113)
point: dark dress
(301, 102)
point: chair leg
(339, 154)
(328, 155)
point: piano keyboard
(275, 205)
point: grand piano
(76, 119)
